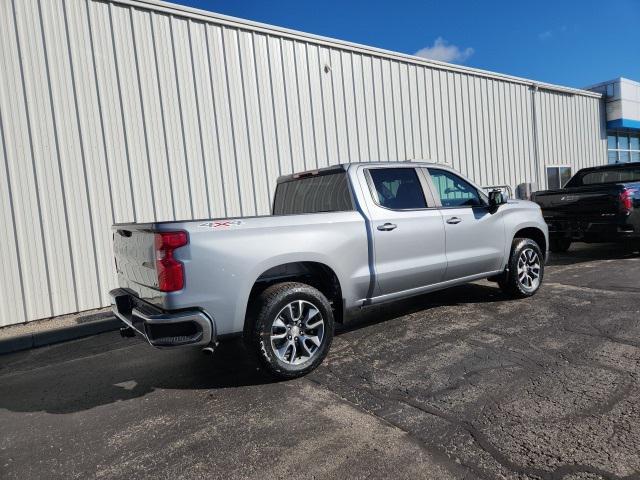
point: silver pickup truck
(339, 239)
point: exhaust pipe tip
(208, 350)
(127, 332)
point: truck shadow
(86, 373)
(105, 369)
(584, 252)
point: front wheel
(525, 269)
(293, 329)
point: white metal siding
(123, 110)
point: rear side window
(397, 188)
(315, 194)
(607, 176)
(453, 190)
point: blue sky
(574, 43)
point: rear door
(475, 237)
(407, 228)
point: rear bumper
(163, 329)
(591, 231)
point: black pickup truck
(599, 204)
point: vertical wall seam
(273, 105)
(260, 114)
(471, 156)
(404, 125)
(13, 219)
(413, 137)
(344, 105)
(100, 112)
(33, 159)
(335, 113)
(324, 116)
(63, 190)
(92, 227)
(366, 110)
(181, 115)
(124, 124)
(433, 109)
(420, 130)
(355, 106)
(313, 119)
(393, 107)
(384, 111)
(295, 75)
(162, 113)
(142, 113)
(286, 104)
(215, 122)
(375, 107)
(199, 118)
(246, 122)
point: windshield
(613, 175)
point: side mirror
(496, 198)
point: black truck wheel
(292, 330)
(559, 245)
(525, 269)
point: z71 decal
(222, 224)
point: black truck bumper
(591, 231)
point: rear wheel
(525, 269)
(559, 245)
(293, 329)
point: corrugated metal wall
(116, 111)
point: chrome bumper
(163, 329)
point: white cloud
(546, 35)
(445, 52)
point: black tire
(269, 307)
(559, 245)
(509, 281)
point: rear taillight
(170, 271)
(626, 201)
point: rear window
(315, 194)
(617, 175)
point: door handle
(454, 220)
(387, 227)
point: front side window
(397, 188)
(453, 190)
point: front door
(475, 237)
(407, 229)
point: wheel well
(534, 234)
(318, 275)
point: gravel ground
(463, 383)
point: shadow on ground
(106, 369)
(129, 368)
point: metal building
(125, 110)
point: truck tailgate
(579, 203)
(134, 250)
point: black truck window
(313, 194)
(613, 175)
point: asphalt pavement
(463, 383)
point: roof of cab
(345, 166)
